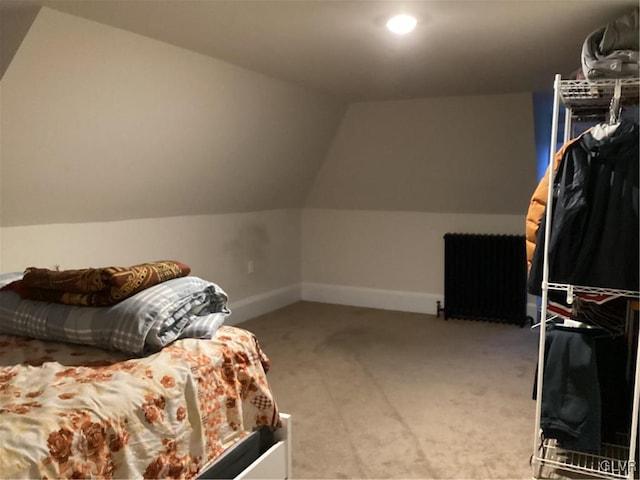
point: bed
(187, 397)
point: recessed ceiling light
(401, 24)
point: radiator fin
(485, 277)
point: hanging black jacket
(594, 237)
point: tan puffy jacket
(539, 202)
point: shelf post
(545, 276)
(632, 466)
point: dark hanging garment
(571, 403)
(572, 187)
(594, 240)
(616, 392)
(609, 254)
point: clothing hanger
(567, 323)
(547, 321)
(607, 128)
(614, 106)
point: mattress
(77, 411)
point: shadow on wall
(249, 247)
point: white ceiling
(341, 46)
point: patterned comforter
(71, 411)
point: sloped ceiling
(100, 124)
(341, 47)
(216, 106)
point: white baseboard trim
(262, 303)
(371, 297)
(402, 301)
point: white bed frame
(275, 463)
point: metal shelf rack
(611, 463)
(575, 289)
(591, 100)
(585, 101)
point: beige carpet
(381, 394)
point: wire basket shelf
(589, 100)
(611, 463)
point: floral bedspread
(71, 411)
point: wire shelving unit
(585, 101)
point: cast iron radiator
(485, 277)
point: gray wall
(118, 149)
(471, 154)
